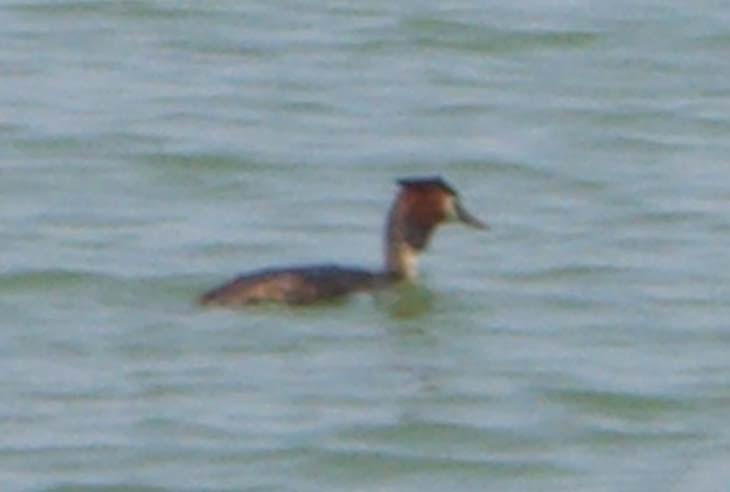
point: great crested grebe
(420, 205)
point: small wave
(618, 404)
(122, 487)
(437, 33)
(102, 286)
(47, 279)
(570, 272)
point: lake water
(152, 149)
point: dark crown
(427, 182)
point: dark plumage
(295, 285)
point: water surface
(152, 149)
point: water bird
(420, 205)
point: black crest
(427, 182)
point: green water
(152, 149)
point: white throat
(408, 261)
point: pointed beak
(463, 216)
